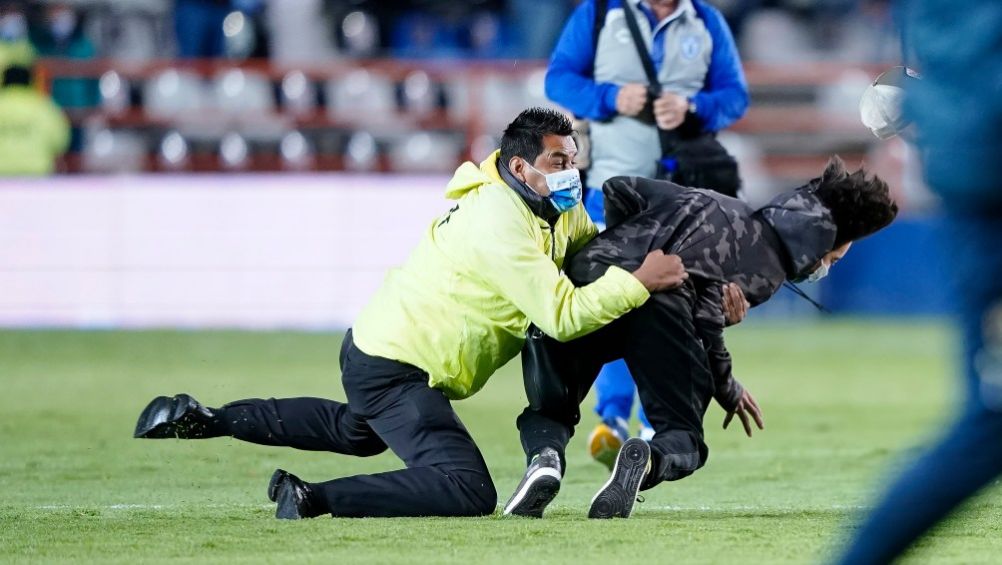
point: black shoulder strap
(601, 7)
(642, 52)
(664, 137)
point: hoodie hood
(805, 228)
(469, 177)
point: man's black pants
(658, 341)
(389, 405)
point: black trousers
(658, 341)
(389, 405)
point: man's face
(663, 7)
(558, 154)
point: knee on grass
(480, 497)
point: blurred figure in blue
(957, 108)
(596, 73)
(33, 131)
(61, 34)
(445, 29)
(199, 27)
(200, 33)
(534, 25)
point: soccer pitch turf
(844, 402)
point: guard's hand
(746, 407)
(735, 305)
(669, 110)
(661, 272)
(631, 99)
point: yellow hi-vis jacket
(461, 304)
(33, 132)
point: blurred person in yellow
(33, 130)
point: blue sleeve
(570, 77)
(724, 97)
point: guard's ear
(517, 167)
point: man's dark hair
(16, 75)
(524, 136)
(860, 205)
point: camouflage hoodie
(719, 239)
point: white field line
(668, 507)
(140, 506)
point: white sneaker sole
(538, 490)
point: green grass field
(844, 402)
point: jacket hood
(805, 228)
(469, 177)
(492, 171)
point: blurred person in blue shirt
(198, 25)
(534, 25)
(61, 34)
(596, 73)
(446, 29)
(957, 111)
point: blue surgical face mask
(565, 188)
(819, 273)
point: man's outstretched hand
(735, 304)
(746, 407)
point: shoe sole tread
(617, 497)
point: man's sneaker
(616, 498)
(179, 416)
(294, 497)
(606, 439)
(538, 488)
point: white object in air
(881, 106)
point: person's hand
(661, 272)
(746, 407)
(669, 110)
(631, 99)
(735, 305)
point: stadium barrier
(302, 251)
(247, 251)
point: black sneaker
(616, 498)
(538, 488)
(179, 416)
(294, 497)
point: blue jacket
(569, 78)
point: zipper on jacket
(553, 242)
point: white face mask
(63, 24)
(819, 273)
(565, 188)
